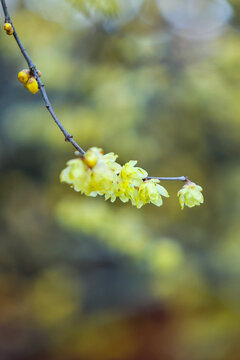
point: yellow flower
(77, 175)
(150, 192)
(131, 173)
(94, 174)
(127, 183)
(105, 173)
(190, 195)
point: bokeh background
(82, 279)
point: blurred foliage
(84, 279)
(106, 7)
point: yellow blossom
(92, 175)
(128, 182)
(150, 192)
(76, 174)
(190, 195)
(104, 174)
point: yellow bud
(8, 28)
(23, 76)
(32, 85)
(90, 158)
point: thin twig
(34, 72)
(179, 178)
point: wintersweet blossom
(150, 192)
(104, 174)
(76, 174)
(190, 195)
(128, 182)
(96, 173)
(93, 174)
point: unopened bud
(32, 85)
(90, 158)
(24, 75)
(8, 28)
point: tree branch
(47, 102)
(34, 72)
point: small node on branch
(68, 138)
(32, 68)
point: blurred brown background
(84, 279)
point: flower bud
(32, 85)
(24, 76)
(91, 158)
(8, 28)
(39, 73)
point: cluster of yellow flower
(29, 81)
(98, 174)
(8, 28)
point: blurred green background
(81, 278)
